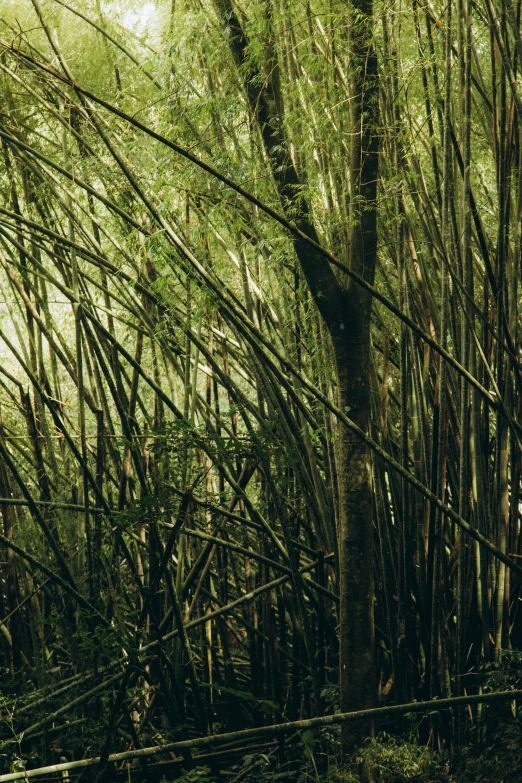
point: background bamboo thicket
(169, 411)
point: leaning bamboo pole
(274, 730)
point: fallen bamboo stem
(274, 730)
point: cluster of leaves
(397, 761)
(315, 757)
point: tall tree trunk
(346, 311)
(352, 355)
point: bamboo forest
(260, 391)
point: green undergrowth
(418, 750)
(492, 754)
(314, 758)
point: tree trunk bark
(346, 310)
(352, 355)
(355, 531)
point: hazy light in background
(137, 20)
(144, 20)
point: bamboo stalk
(277, 729)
